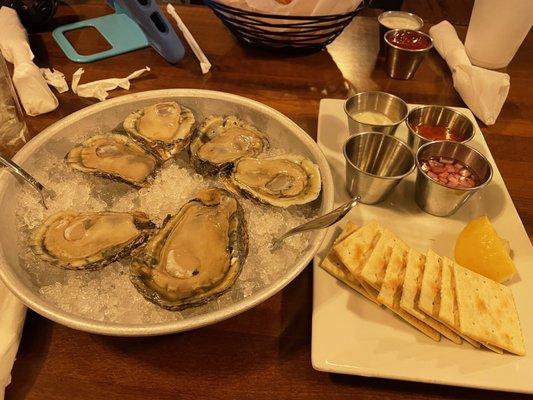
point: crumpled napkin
(296, 7)
(12, 314)
(33, 91)
(484, 91)
(100, 88)
(55, 78)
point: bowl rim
(411, 130)
(403, 48)
(49, 310)
(391, 137)
(459, 144)
(380, 93)
(399, 12)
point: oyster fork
(18, 171)
(321, 222)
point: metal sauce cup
(402, 63)
(435, 197)
(389, 105)
(417, 23)
(375, 164)
(438, 116)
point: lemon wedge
(480, 249)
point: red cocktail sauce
(437, 133)
(411, 40)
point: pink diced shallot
(450, 168)
(465, 172)
(446, 160)
(449, 172)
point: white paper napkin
(484, 91)
(296, 7)
(33, 91)
(205, 65)
(12, 313)
(55, 78)
(99, 89)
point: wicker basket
(282, 32)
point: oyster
(196, 256)
(281, 181)
(165, 128)
(113, 156)
(220, 141)
(90, 240)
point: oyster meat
(220, 141)
(196, 256)
(281, 181)
(165, 128)
(90, 240)
(113, 156)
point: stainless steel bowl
(403, 63)
(389, 105)
(438, 199)
(375, 164)
(437, 116)
(384, 28)
(58, 139)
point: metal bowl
(391, 106)
(402, 63)
(384, 28)
(375, 164)
(437, 116)
(435, 197)
(105, 116)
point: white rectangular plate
(353, 336)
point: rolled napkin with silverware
(483, 91)
(12, 313)
(33, 91)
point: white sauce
(372, 118)
(400, 22)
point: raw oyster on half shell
(220, 141)
(90, 240)
(196, 256)
(281, 181)
(113, 156)
(165, 128)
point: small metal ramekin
(447, 117)
(435, 197)
(383, 28)
(389, 105)
(402, 63)
(375, 164)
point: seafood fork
(19, 172)
(321, 222)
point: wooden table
(265, 352)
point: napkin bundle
(33, 91)
(484, 91)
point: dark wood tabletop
(264, 353)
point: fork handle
(19, 171)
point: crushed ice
(107, 294)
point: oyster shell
(196, 256)
(220, 141)
(113, 156)
(90, 240)
(281, 181)
(165, 128)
